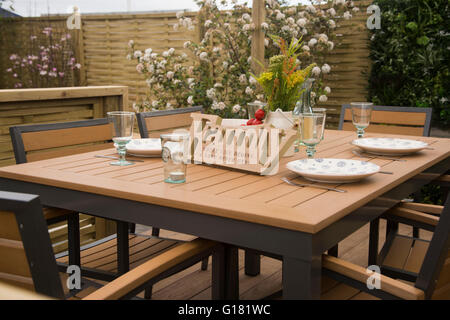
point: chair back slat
(435, 261)
(388, 129)
(26, 253)
(153, 124)
(44, 141)
(392, 120)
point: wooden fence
(103, 40)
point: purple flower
(9, 70)
(13, 57)
(61, 74)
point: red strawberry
(250, 122)
(260, 114)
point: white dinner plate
(144, 147)
(390, 146)
(333, 170)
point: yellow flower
(265, 77)
(295, 78)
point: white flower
(171, 51)
(216, 49)
(330, 45)
(211, 93)
(323, 98)
(225, 64)
(190, 80)
(246, 17)
(203, 56)
(176, 26)
(138, 54)
(323, 38)
(155, 103)
(286, 29)
(326, 68)
(327, 90)
(154, 55)
(165, 54)
(128, 56)
(253, 81)
(190, 100)
(266, 42)
(290, 20)
(355, 9)
(264, 26)
(218, 85)
(208, 23)
(186, 44)
(169, 106)
(305, 48)
(249, 60)
(311, 9)
(130, 43)
(316, 71)
(347, 15)
(243, 79)
(331, 24)
(338, 2)
(236, 108)
(148, 51)
(313, 94)
(221, 105)
(332, 12)
(301, 22)
(280, 16)
(170, 75)
(180, 14)
(249, 91)
(312, 42)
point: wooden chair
(426, 263)
(395, 120)
(153, 124)
(392, 120)
(99, 260)
(27, 259)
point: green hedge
(411, 56)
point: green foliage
(410, 55)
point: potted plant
(282, 82)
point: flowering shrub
(219, 76)
(49, 62)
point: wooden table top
(221, 192)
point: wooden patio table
(236, 208)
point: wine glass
(311, 128)
(122, 123)
(361, 114)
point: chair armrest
(145, 272)
(423, 207)
(11, 292)
(358, 273)
(411, 217)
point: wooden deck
(194, 284)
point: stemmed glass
(122, 123)
(361, 114)
(311, 128)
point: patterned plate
(390, 146)
(333, 170)
(144, 147)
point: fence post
(80, 53)
(258, 17)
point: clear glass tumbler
(174, 150)
(311, 130)
(122, 123)
(361, 114)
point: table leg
(252, 263)
(373, 241)
(301, 279)
(73, 237)
(225, 273)
(123, 251)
